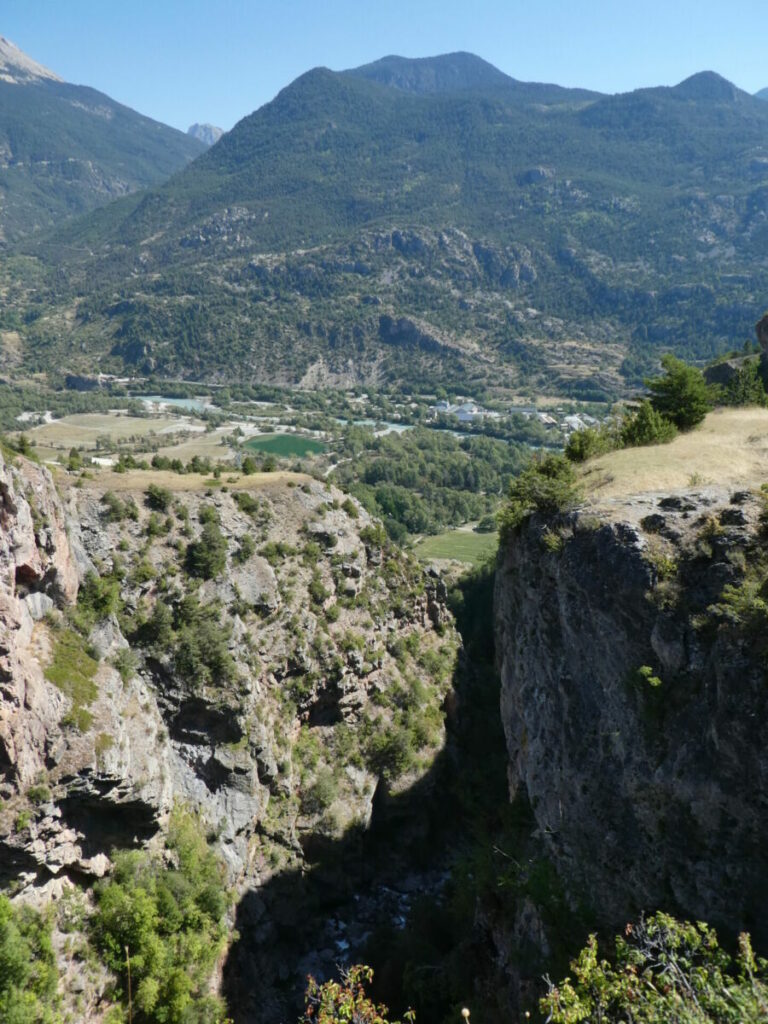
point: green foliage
(423, 481)
(585, 444)
(97, 599)
(319, 796)
(28, 975)
(546, 486)
(246, 550)
(207, 557)
(157, 498)
(345, 1002)
(663, 970)
(200, 651)
(746, 387)
(645, 675)
(116, 510)
(39, 793)
(317, 591)
(169, 920)
(126, 662)
(646, 425)
(681, 394)
(72, 670)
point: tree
(207, 557)
(681, 394)
(646, 426)
(547, 485)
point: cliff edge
(631, 641)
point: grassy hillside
(728, 450)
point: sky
(182, 61)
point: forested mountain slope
(65, 149)
(416, 221)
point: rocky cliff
(253, 652)
(631, 646)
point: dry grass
(730, 449)
(205, 445)
(139, 480)
(81, 430)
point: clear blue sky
(216, 60)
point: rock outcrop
(262, 698)
(632, 657)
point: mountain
(19, 69)
(460, 73)
(65, 149)
(762, 95)
(421, 221)
(208, 134)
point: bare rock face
(634, 702)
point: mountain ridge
(351, 230)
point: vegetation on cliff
(663, 970)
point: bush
(321, 794)
(345, 1002)
(585, 444)
(663, 970)
(681, 394)
(646, 426)
(171, 921)
(246, 550)
(28, 975)
(158, 498)
(547, 485)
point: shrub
(317, 591)
(547, 485)
(97, 599)
(158, 498)
(585, 444)
(321, 794)
(681, 394)
(171, 922)
(246, 550)
(200, 651)
(72, 671)
(645, 425)
(28, 976)
(345, 1002)
(663, 970)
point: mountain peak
(762, 94)
(19, 69)
(707, 85)
(206, 133)
(449, 72)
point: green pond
(286, 445)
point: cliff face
(275, 698)
(634, 702)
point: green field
(286, 445)
(461, 545)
